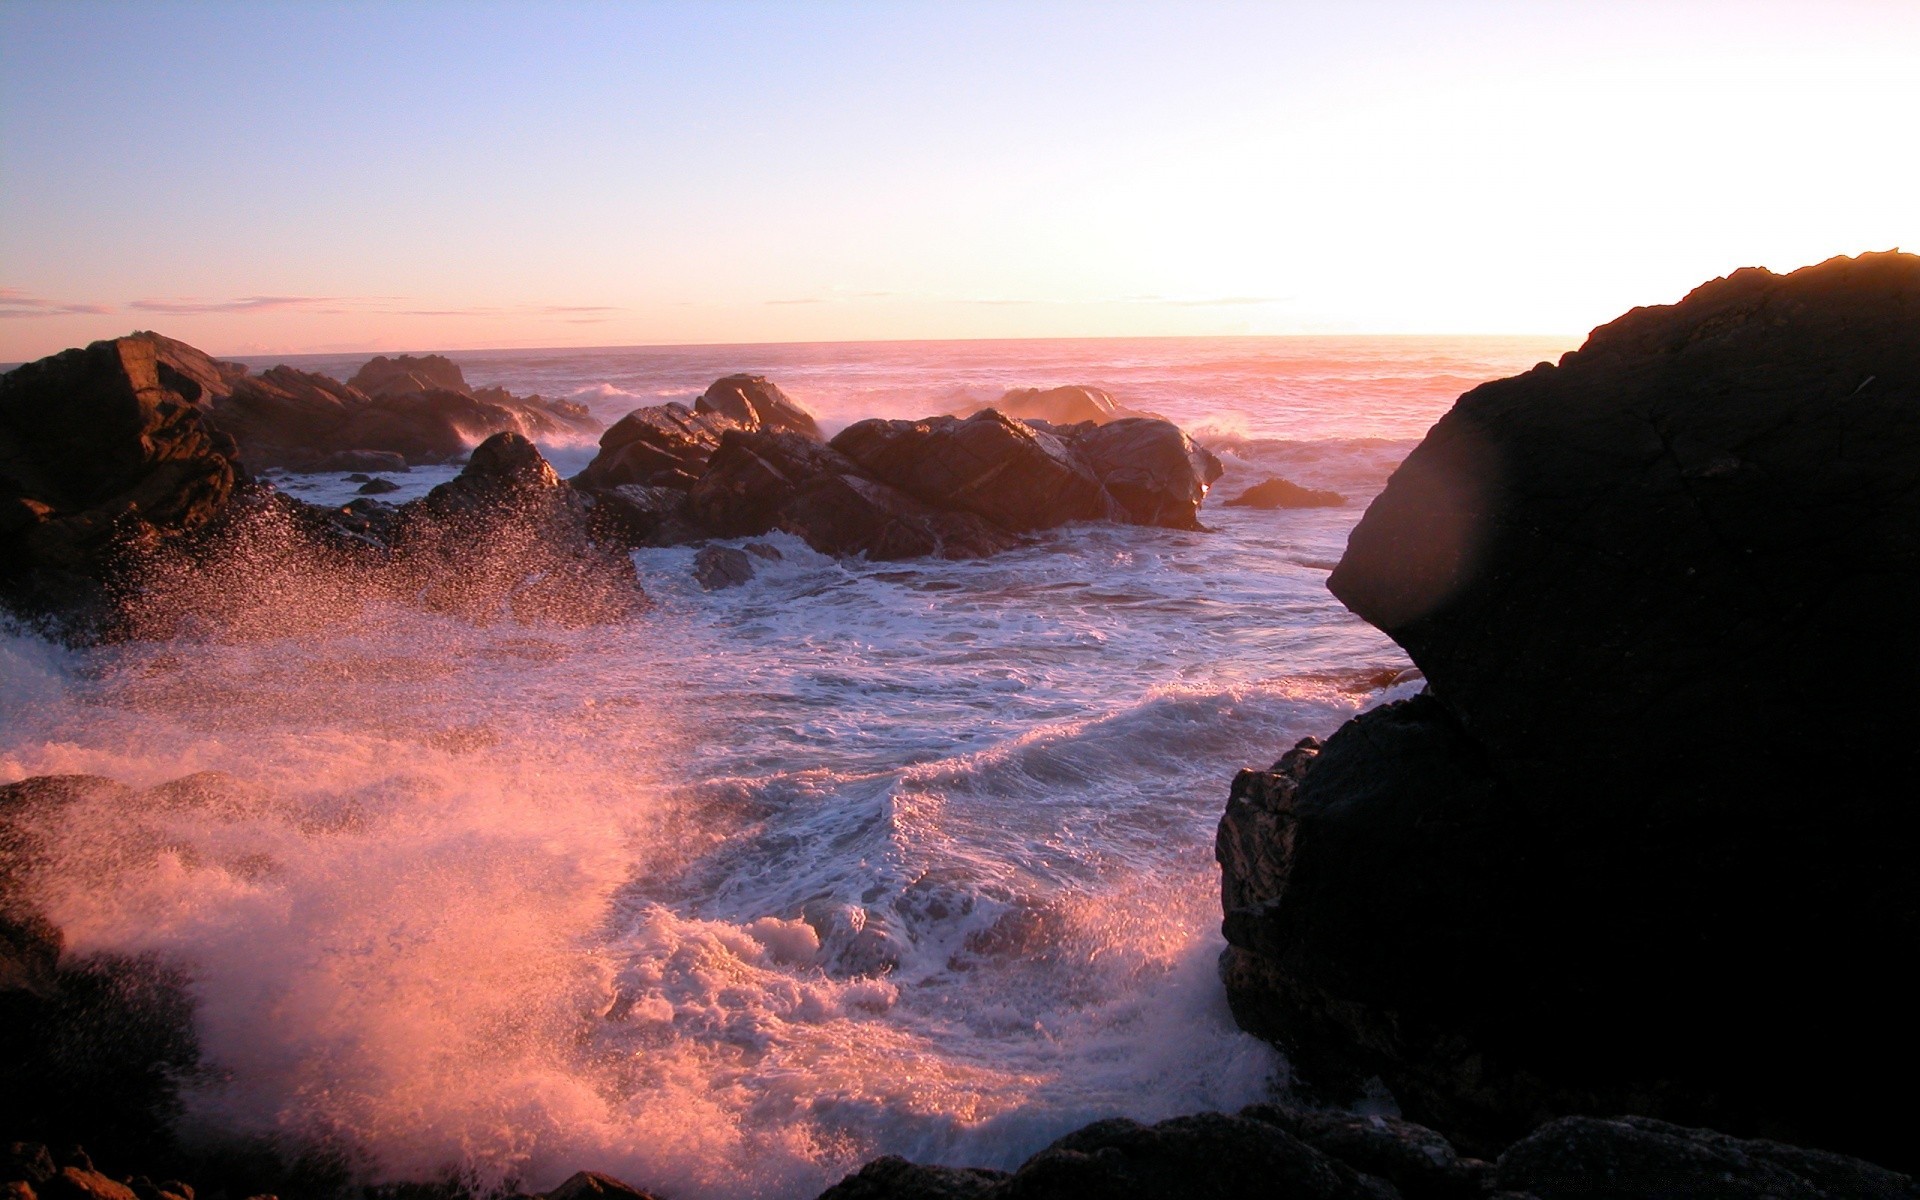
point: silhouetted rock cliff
(1645, 845)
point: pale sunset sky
(285, 177)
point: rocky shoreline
(1640, 846)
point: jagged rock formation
(747, 460)
(418, 409)
(104, 457)
(1641, 847)
(754, 402)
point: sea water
(855, 859)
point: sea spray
(726, 897)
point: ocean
(855, 859)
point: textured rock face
(759, 482)
(754, 402)
(303, 421)
(104, 454)
(1019, 477)
(667, 445)
(409, 373)
(1159, 475)
(1582, 875)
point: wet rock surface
(755, 402)
(1015, 475)
(104, 457)
(1579, 876)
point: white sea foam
(852, 859)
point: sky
(294, 177)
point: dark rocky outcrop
(1015, 475)
(754, 402)
(1586, 1158)
(667, 445)
(407, 373)
(759, 482)
(1159, 475)
(1277, 1150)
(1642, 847)
(420, 410)
(104, 457)
(1282, 493)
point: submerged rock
(1281, 493)
(717, 567)
(1585, 873)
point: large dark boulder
(759, 482)
(104, 457)
(666, 445)
(1017, 476)
(1587, 1158)
(755, 402)
(1159, 475)
(383, 376)
(1643, 847)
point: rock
(894, 1178)
(1583, 874)
(591, 1185)
(1204, 1155)
(508, 534)
(633, 515)
(1018, 477)
(104, 457)
(378, 487)
(758, 482)
(1061, 406)
(75, 1183)
(408, 373)
(1280, 493)
(29, 1161)
(1159, 475)
(753, 476)
(752, 402)
(308, 422)
(383, 461)
(664, 446)
(716, 567)
(1414, 1159)
(766, 550)
(1634, 1156)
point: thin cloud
(181, 306)
(188, 306)
(17, 303)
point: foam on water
(853, 859)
